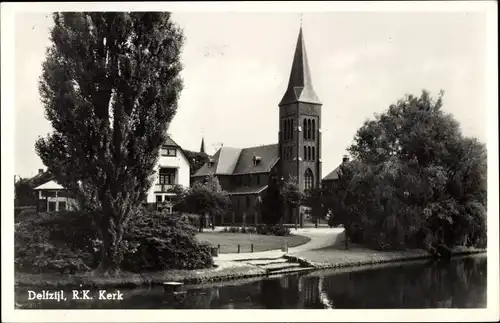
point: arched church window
(284, 130)
(308, 153)
(292, 130)
(305, 132)
(314, 129)
(309, 129)
(313, 155)
(305, 153)
(308, 179)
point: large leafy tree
(110, 85)
(315, 199)
(207, 198)
(271, 206)
(419, 182)
(292, 195)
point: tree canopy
(416, 180)
(207, 197)
(271, 206)
(110, 85)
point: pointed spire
(300, 88)
(202, 148)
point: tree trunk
(111, 253)
(202, 219)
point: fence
(245, 248)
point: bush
(20, 210)
(192, 219)
(68, 241)
(54, 242)
(157, 241)
(275, 230)
(24, 212)
(251, 230)
(239, 230)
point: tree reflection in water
(459, 283)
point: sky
(237, 65)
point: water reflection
(460, 283)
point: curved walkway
(320, 238)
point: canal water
(459, 283)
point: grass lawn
(229, 241)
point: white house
(172, 168)
(53, 197)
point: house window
(168, 151)
(308, 179)
(167, 176)
(158, 198)
(62, 206)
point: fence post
(218, 247)
(252, 247)
(238, 248)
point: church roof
(237, 161)
(245, 190)
(333, 175)
(300, 87)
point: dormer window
(168, 151)
(256, 160)
(210, 162)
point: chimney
(40, 171)
(345, 159)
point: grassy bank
(338, 257)
(327, 258)
(229, 242)
(225, 270)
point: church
(245, 172)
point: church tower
(300, 124)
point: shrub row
(68, 242)
(264, 229)
(240, 230)
(274, 230)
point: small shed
(53, 197)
